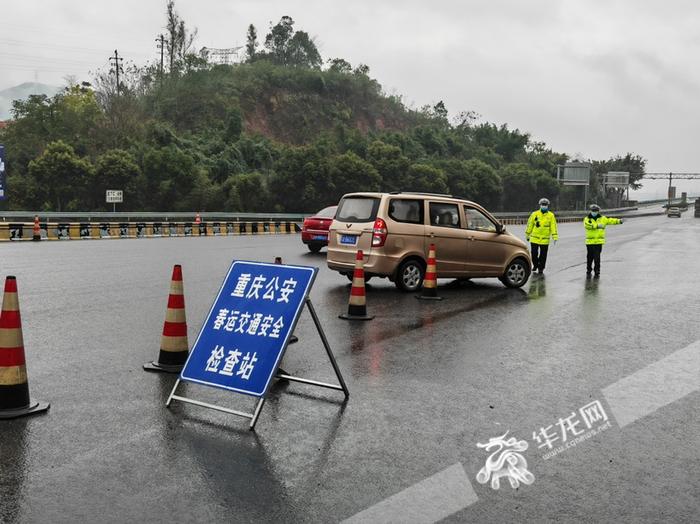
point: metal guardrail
(147, 216)
(10, 231)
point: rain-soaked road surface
(428, 381)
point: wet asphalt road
(427, 381)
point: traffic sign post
(246, 333)
(575, 174)
(114, 197)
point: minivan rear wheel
(516, 274)
(409, 275)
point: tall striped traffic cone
(357, 305)
(14, 388)
(36, 234)
(430, 278)
(174, 348)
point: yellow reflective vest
(541, 226)
(595, 228)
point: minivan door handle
(471, 238)
(432, 234)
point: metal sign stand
(258, 406)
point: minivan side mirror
(500, 228)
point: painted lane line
(430, 500)
(655, 386)
(629, 399)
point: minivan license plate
(348, 239)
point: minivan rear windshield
(357, 209)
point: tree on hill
(339, 65)
(523, 186)
(115, 169)
(62, 176)
(302, 51)
(179, 38)
(289, 48)
(251, 46)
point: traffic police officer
(541, 226)
(595, 225)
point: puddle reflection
(538, 287)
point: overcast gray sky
(588, 77)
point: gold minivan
(395, 230)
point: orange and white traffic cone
(430, 278)
(357, 305)
(14, 387)
(36, 235)
(174, 348)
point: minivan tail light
(379, 233)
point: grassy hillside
(287, 104)
(262, 136)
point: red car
(314, 232)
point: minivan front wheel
(409, 276)
(516, 274)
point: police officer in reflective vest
(595, 225)
(541, 226)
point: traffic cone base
(424, 297)
(14, 388)
(163, 368)
(174, 347)
(351, 316)
(35, 407)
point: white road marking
(426, 502)
(631, 398)
(655, 386)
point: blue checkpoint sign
(248, 327)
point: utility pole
(117, 66)
(161, 46)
